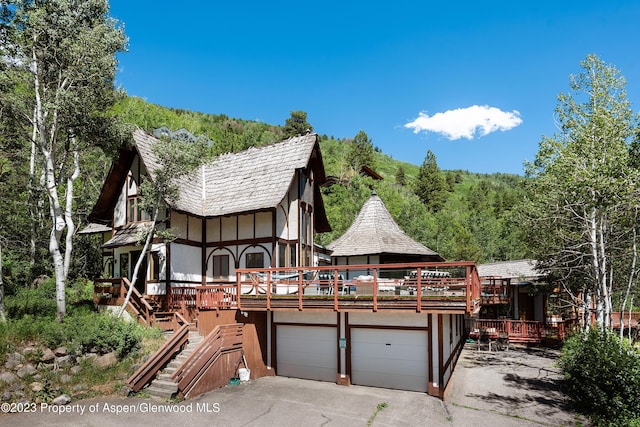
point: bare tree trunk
(32, 196)
(632, 271)
(3, 317)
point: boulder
(26, 370)
(66, 379)
(61, 351)
(6, 396)
(61, 400)
(48, 356)
(36, 386)
(75, 370)
(106, 360)
(8, 378)
(64, 361)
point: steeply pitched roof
(252, 180)
(375, 232)
(523, 269)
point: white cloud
(466, 122)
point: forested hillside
(461, 215)
(472, 223)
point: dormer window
(135, 211)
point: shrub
(602, 377)
(40, 301)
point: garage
(309, 352)
(390, 358)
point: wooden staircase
(163, 386)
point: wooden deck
(524, 331)
(415, 287)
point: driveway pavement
(514, 388)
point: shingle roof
(251, 180)
(518, 269)
(375, 232)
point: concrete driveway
(515, 388)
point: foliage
(361, 152)
(62, 67)
(602, 377)
(582, 198)
(430, 185)
(297, 124)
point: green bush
(603, 377)
(40, 301)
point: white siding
(195, 229)
(229, 231)
(179, 225)
(245, 227)
(264, 224)
(213, 230)
(185, 263)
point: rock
(66, 379)
(61, 400)
(19, 394)
(75, 370)
(79, 387)
(26, 370)
(36, 386)
(16, 387)
(106, 360)
(8, 378)
(6, 396)
(125, 391)
(89, 356)
(30, 351)
(12, 360)
(64, 361)
(60, 351)
(48, 356)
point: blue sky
(474, 82)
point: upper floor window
(135, 211)
(255, 260)
(220, 266)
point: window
(136, 214)
(124, 265)
(155, 266)
(255, 260)
(220, 266)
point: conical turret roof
(375, 232)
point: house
(520, 296)
(244, 253)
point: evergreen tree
(361, 152)
(430, 184)
(297, 124)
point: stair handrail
(223, 339)
(139, 302)
(145, 373)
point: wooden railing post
(375, 290)
(335, 290)
(419, 291)
(238, 289)
(268, 290)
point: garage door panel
(389, 358)
(308, 352)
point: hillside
(474, 223)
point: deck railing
(406, 286)
(525, 330)
(416, 284)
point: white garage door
(309, 352)
(389, 358)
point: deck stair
(163, 386)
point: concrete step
(161, 393)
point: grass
(379, 408)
